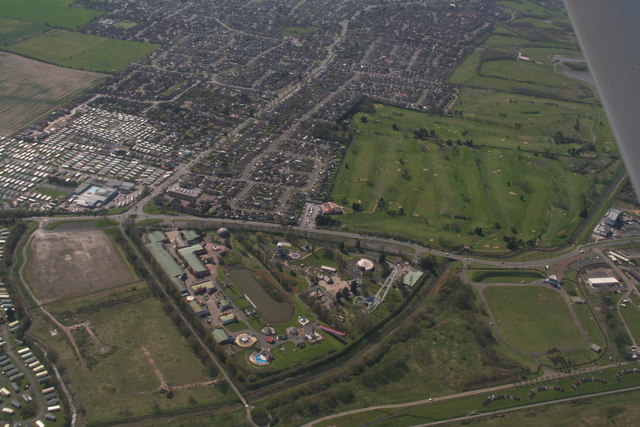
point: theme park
(276, 302)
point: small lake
(584, 76)
(270, 310)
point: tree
(358, 248)
(382, 258)
(354, 287)
(364, 119)
(260, 416)
(341, 246)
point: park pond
(583, 75)
(270, 309)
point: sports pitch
(533, 319)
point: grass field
(55, 13)
(459, 407)
(619, 409)
(31, 89)
(532, 319)
(445, 409)
(504, 182)
(505, 276)
(12, 30)
(526, 176)
(136, 348)
(82, 51)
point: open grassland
(444, 347)
(632, 316)
(83, 51)
(532, 319)
(30, 89)
(526, 77)
(67, 263)
(56, 13)
(505, 276)
(445, 409)
(440, 190)
(12, 30)
(130, 348)
(619, 409)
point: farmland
(30, 89)
(82, 51)
(91, 262)
(532, 319)
(12, 30)
(55, 13)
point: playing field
(55, 13)
(532, 319)
(74, 260)
(30, 89)
(82, 51)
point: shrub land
(131, 349)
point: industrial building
(190, 256)
(598, 282)
(198, 309)
(96, 197)
(411, 278)
(190, 194)
(168, 264)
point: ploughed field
(29, 89)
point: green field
(524, 153)
(55, 13)
(438, 191)
(82, 51)
(297, 31)
(532, 319)
(445, 409)
(505, 276)
(12, 30)
(143, 346)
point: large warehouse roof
(168, 264)
(189, 255)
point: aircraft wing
(609, 34)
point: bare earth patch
(29, 89)
(70, 263)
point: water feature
(270, 309)
(584, 76)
